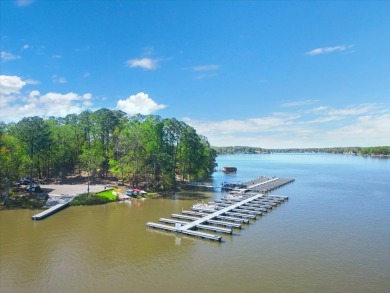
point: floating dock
(56, 202)
(50, 211)
(261, 184)
(264, 184)
(229, 214)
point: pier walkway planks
(50, 211)
(57, 203)
(264, 184)
(222, 212)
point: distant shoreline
(306, 152)
(374, 151)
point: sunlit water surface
(332, 235)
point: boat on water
(233, 197)
(239, 190)
(135, 192)
(123, 197)
(232, 186)
(201, 205)
(229, 170)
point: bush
(25, 202)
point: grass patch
(94, 199)
(108, 194)
(87, 200)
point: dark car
(42, 196)
(25, 181)
(34, 188)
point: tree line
(376, 150)
(332, 150)
(138, 149)
(229, 150)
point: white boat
(201, 205)
(235, 196)
(123, 197)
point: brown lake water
(332, 235)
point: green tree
(35, 136)
(90, 161)
(11, 156)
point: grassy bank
(31, 202)
(95, 198)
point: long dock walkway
(57, 202)
(241, 210)
(264, 184)
(50, 211)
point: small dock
(264, 184)
(56, 202)
(224, 218)
(196, 185)
(229, 170)
(50, 211)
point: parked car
(34, 188)
(129, 192)
(42, 196)
(135, 192)
(25, 181)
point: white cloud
(56, 104)
(274, 123)
(356, 125)
(15, 104)
(328, 114)
(34, 94)
(270, 131)
(10, 84)
(205, 67)
(25, 47)
(23, 3)
(203, 76)
(50, 104)
(59, 79)
(368, 130)
(147, 51)
(353, 110)
(31, 81)
(7, 56)
(204, 71)
(318, 110)
(144, 63)
(326, 50)
(299, 103)
(139, 103)
(326, 119)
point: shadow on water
(179, 237)
(191, 195)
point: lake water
(332, 235)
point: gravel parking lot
(63, 193)
(71, 189)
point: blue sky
(273, 74)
